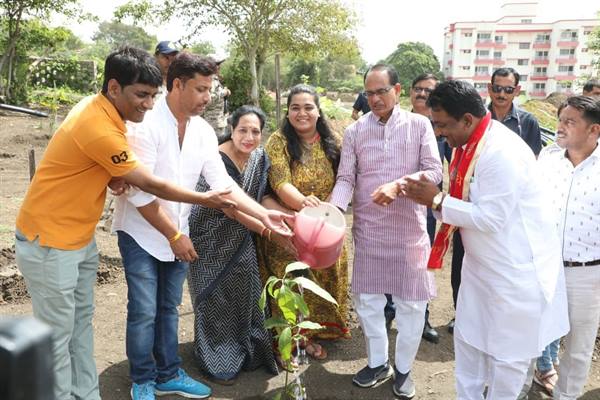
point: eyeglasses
(419, 89)
(506, 89)
(378, 92)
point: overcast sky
(383, 23)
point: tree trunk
(254, 91)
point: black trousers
(458, 253)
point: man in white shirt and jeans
(179, 146)
(573, 176)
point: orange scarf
(461, 171)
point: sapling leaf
(316, 289)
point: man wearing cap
(165, 52)
(216, 110)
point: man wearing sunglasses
(503, 89)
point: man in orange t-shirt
(55, 247)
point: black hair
(424, 77)
(506, 72)
(234, 120)
(590, 85)
(186, 65)
(328, 142)
(590, 107)
(457, 98)
(128, 66)
(390, 70)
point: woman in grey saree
(224, 282)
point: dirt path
(433, 370)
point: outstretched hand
(276, 221)
(218, 199)
(420, 190)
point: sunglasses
(506, 89)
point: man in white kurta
(512, 299)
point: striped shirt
(391, 243)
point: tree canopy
(412, 59)
(260, 28)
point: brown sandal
(315, 350)
(546, 380)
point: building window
(568, 35)
(564, 85)
(567, 52)
(498, 39)
(526, 21)
(497, 55)
(482, 70)
(583, 67)
(466, 51)
(565, 68)
(542, 38)
(540, 71)
(480, 87)
(467, 34)
(539, 86)
(524, 78)
(524, 45)
(541, 55)
(484, 37)
(483, 54)
(584, 50)
(522, 61)
(465, 67)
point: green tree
(202, 47)
(412, 59)
(114, 34)
(14, 14)
(259, 28)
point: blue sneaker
(184, 386)
(144, 391)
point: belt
(581, 264)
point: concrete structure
(550, 56)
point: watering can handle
(313, 236)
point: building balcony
(568, 76)
(498, 61)
(538, 93)
(567, 43)
(482, 77)
(484, 44)
(483, 61)
(566, 60)
(542, 45)
(540, 61)
(538, 77)
(499, 45)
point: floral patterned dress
(314, 176)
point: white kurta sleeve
(213, 169)
(494, 192)
(346, 176)
(144, 144)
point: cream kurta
(512, 298)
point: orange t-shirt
(66, 197)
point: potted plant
(291, 322)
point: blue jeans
(549, 355)
(154, 292)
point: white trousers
(476, 369)
(583, 295)
(409, 323)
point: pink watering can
(319, 234)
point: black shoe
(369, 377)
(404, 386)
(451, 326)
(430, 334)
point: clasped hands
(416, 188)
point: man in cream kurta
(512, 299)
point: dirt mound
(12, 284)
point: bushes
(57, 72)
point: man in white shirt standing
(179, 146)
(573, 176)
(512, 299)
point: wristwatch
(436, 203)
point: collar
(595, 153)
(163, 107)
(511, 114)
(397, 112)
(112, 111)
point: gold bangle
(175, 237)
(269, 234)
